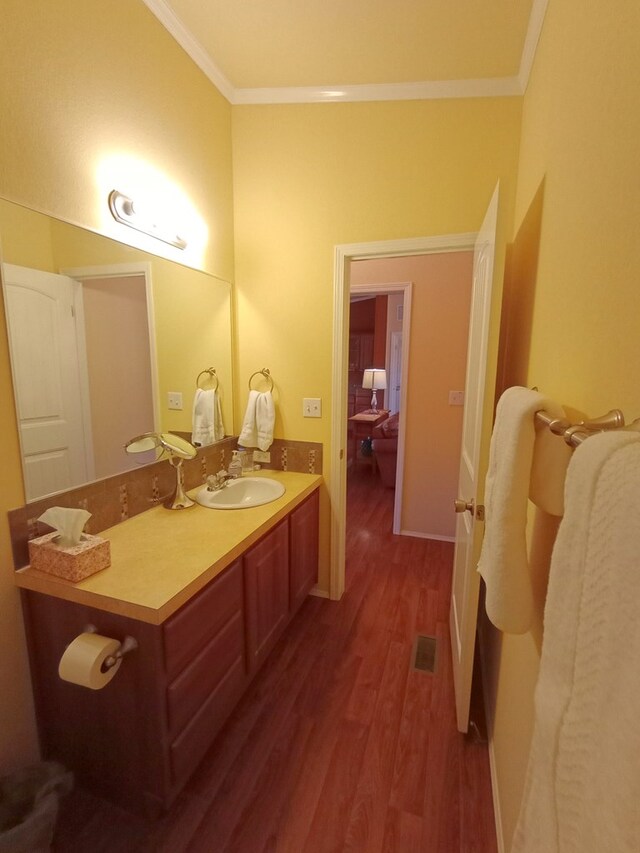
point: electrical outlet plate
(312, 407)
(174, 400)
(456, 398)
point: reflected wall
(189, 316)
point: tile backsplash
(117, 498)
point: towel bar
(575, 434)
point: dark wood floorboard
(339, 745)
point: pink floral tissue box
(90, 555)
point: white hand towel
(503, 561)
(259, 419)
(249, 433)
(218, 424)
(583, 786)
(265, 419)
(207, 424)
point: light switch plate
(456, 398)
(174, 399)
(312, 407)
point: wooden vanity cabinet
(303, 550)
(279, 573)
(114, 740)
(137, 740)
(205, 665)
(266, 572)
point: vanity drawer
(188, 750)
(191, 688)
(201, 619)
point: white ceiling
(275, 51)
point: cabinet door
(366, 351)
(303, 537)
(188, 631)
(363, 400)
(266, 568)
(354, 352)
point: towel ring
(264, 372)
(212, 375)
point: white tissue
(68, 522)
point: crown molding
(536, 20)
(190, 44)
(426, 90)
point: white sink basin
(242, 493)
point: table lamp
(376, 379)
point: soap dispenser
(235, 466)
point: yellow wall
(309, 177)
(85, 82)
(82, 81)
(440, 305)
(574, 292)
(25, 238)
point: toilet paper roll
(82, 663)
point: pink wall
(441, 300)
(117, 336)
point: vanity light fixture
(374, 378)
(123, 210)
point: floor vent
(424, 653)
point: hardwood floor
(339, 744)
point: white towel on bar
(551, 456)
(207, 425)
(582, 791)
(259, 420)
(504, 563)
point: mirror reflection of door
(66, 338)
(49, 375)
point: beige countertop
(161, 558)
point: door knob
(469, 506)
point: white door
(46, 361)
(476, 422)
(395, 372)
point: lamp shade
(375, 378)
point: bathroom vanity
(206, 594)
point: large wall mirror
(106, 342)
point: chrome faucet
(215, 482)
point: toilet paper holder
(129, 644)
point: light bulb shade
(125, 211)
(374, 378)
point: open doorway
(425, 374)
(123, 378)
(379, 345)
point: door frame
(343, 255)
(403, 287)
(123, 270)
